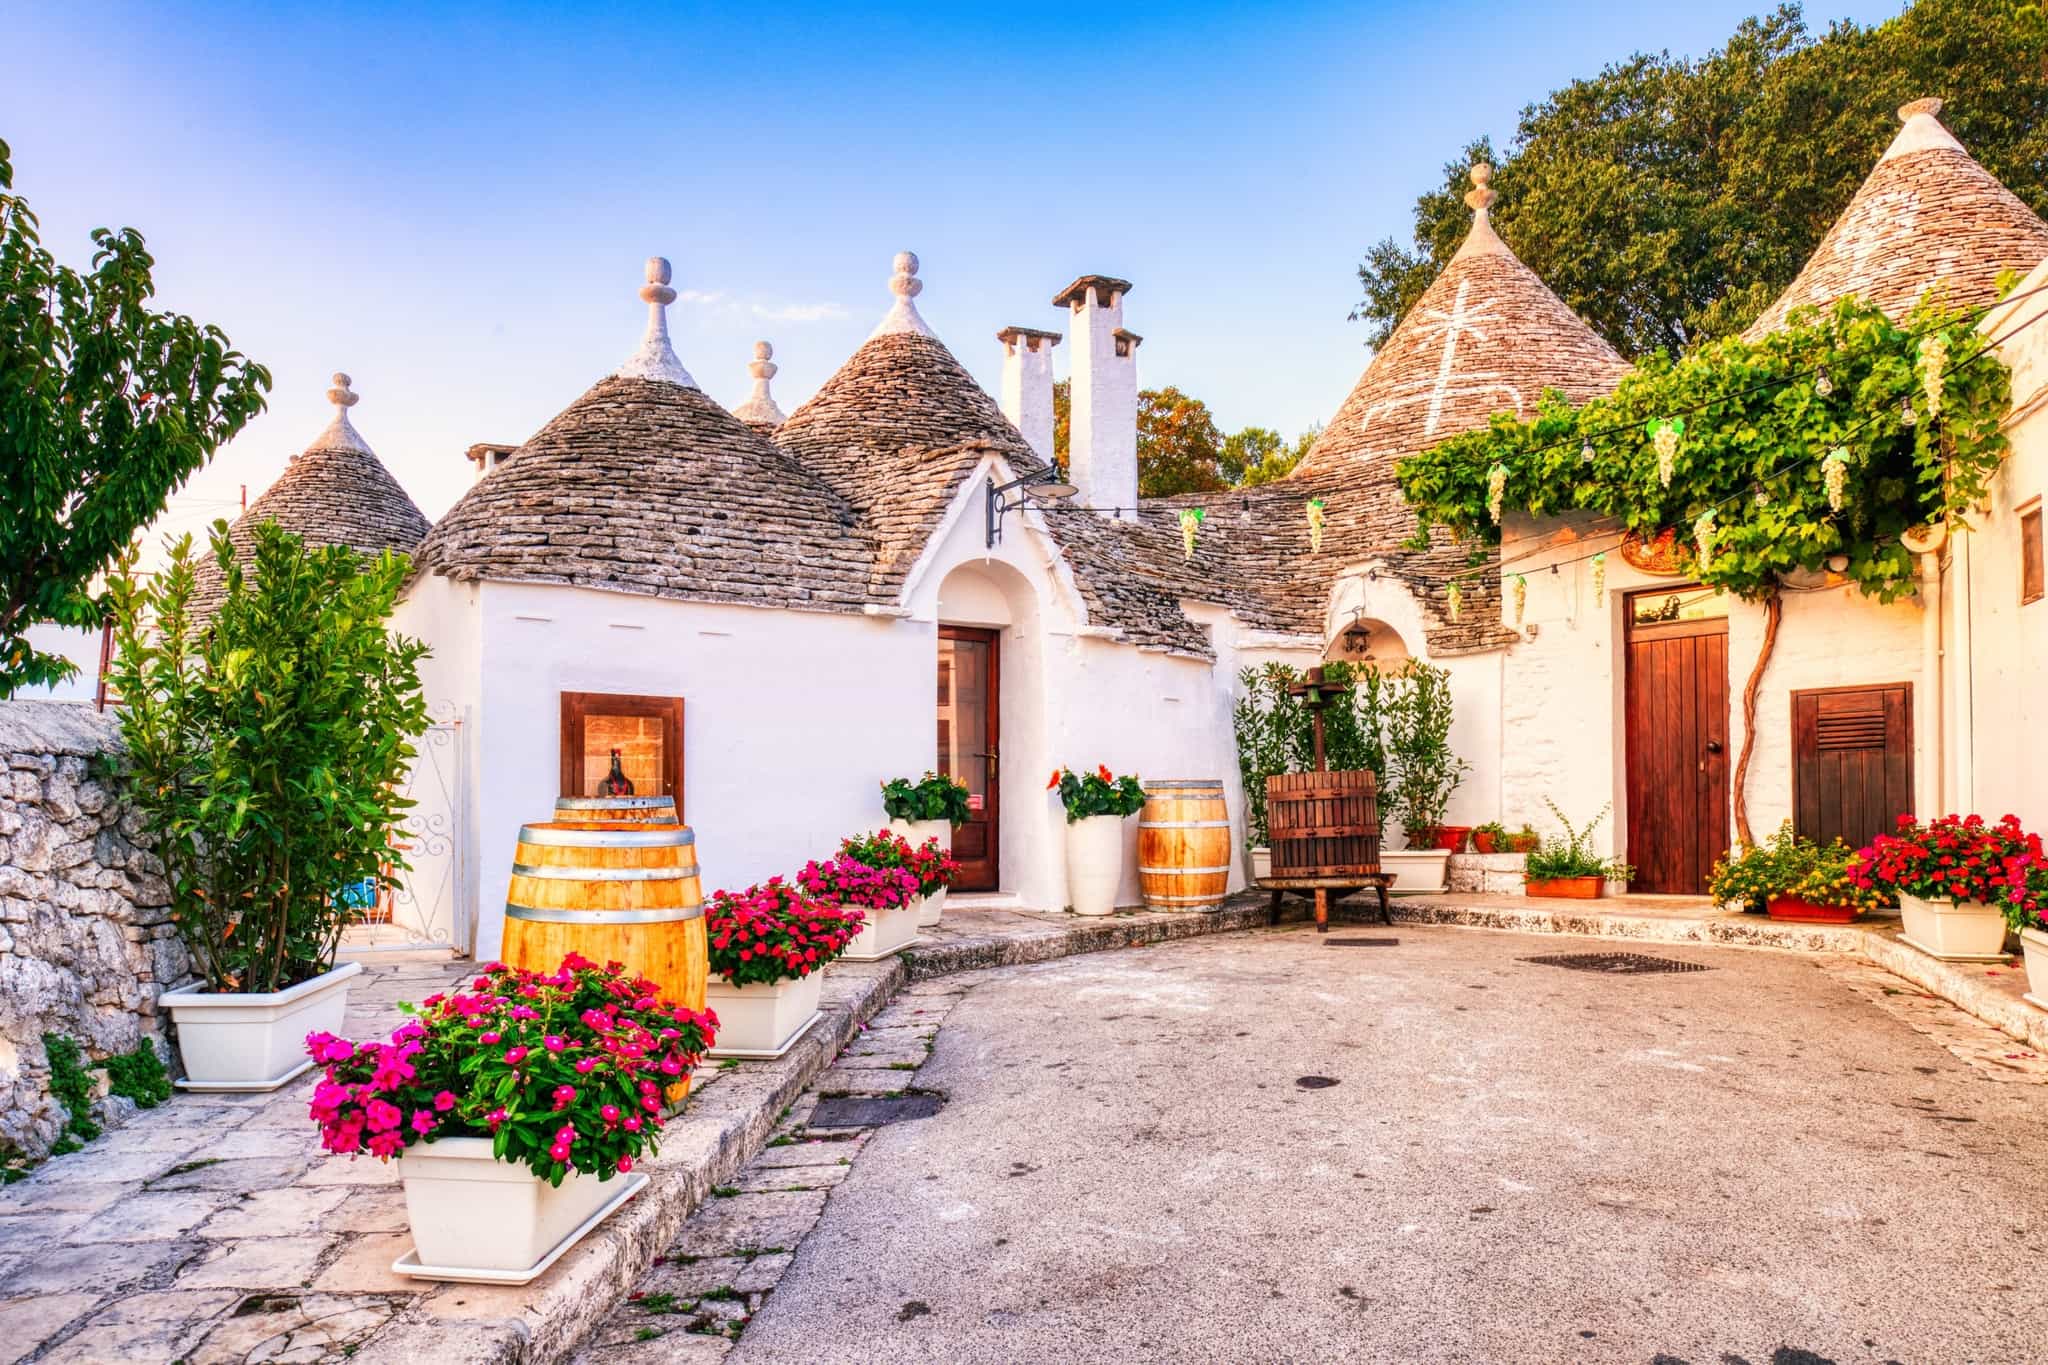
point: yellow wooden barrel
(616, 892)
(605, 810)
(1184, 845)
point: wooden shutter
(1852, 761)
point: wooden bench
(1328, 888)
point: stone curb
(725, 1127)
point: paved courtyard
(1773, 1157)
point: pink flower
(610, 1113)
(632, 1123)
(383, 1116)
(554, 1042)
(445, 1101)
(565, 1095)
(514, 1056)
(559, 1152)
(386, 1145)
(625, 1163)
(422, 1121)
(586, 1065)
(491, 1039)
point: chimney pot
(1027, 384)
(1103, 454)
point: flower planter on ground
(475, 1218)
(236, 1042)
(1261, 863)
(1565, 888)
(1954, 931)
(1416, 871)
(762, 1020)
(1095, 863)
(917, 833)
(1797, 910)
(888, 932)
(2035, 944)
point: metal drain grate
(1361, 942)
(1616, 964)
(852, 1111)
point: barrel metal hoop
(605, 874)
(544, 915)
(1198, 783)
(612, 802)
(648, 836)
(1183, 824)
(1186, 900)
(1180, 871)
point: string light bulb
(1908, 417)
(1586, 452)
(1823, 385)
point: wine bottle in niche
(616, 783)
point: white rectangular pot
(762, 1020)
(478, 1218)
(917, 831)
(2035, 944)
(1416, 870)
(1095, 863)
(933, 907)
(1954, 931)
(887, 932)
(236, 1041)
(1262, 863)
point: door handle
(1713, 746)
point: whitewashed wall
(81, 647)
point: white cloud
(718, 301)
(800, 312)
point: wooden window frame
(577, 708)
(2031, 554)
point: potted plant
(1568, 868)
(266, 749)
(2023, 896)
(872, 873)
(768, 947)
(1416, 706)
(1452, 838)
(1523, 840)
(513, 1107)
(1794, 879)
(1097, 805)
(929, 809)
(935, 869)
(1490, 837)
(1947, 874)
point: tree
(1670, 200)
(105, 409)
(1182, 450)
(267, 749)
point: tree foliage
(105, 409)
(1790, 476)
(267, 746)
(1670, 200)
(1182, 450)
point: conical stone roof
(337, 492)
(645, 485)
(1487, 336)
(902, 423)
(1927, 216)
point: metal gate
(426, 909)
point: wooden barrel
(1184, 845)
(606, 810)
(1323, 824)
(614, 893)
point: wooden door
(1852, 761)
(1677, 737)
(970, 708)
(646, 732)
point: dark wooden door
(1677, 737)
(1852, 761)
(970, 706)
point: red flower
(1102, 771)
(1055, 780)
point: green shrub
(1572, 856)
(934, 797)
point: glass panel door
(967, 749)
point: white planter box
(762, 1021)
(1095, 863)
(1262, 863)
(474, 1218)
(2035, 944)
(887, 932)
(933, 906)
(917, 831)
(1954, 931)
(1417, 871)
(254, 1042)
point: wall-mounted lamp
(1043, 486)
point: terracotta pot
(1565, 888)
(1793, 910)
(1485, 840)
(1451, 838)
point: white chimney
(1102, 459)
(1027, 384)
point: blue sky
(453, 204)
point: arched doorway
(990, 723)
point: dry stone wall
(86, 941)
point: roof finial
(760, 409)
(656, 358)
(1923, 131)
(1482, 239)
(906, 286)
(340, 434)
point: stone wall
(86, 942)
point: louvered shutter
(1852, 761)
